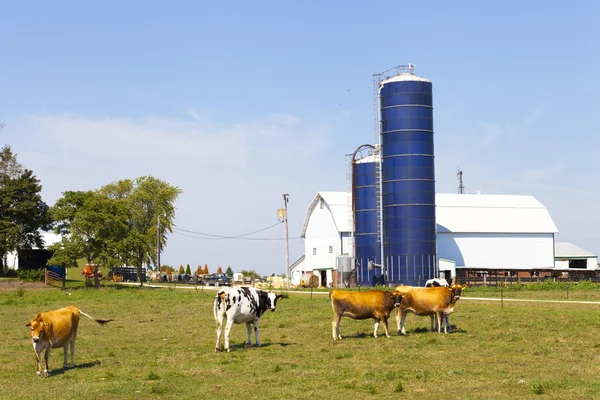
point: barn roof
(461, 213)
(338, 203)
(489, 213)
(569, 250)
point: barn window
(314, 251)
(330, 249)
(578, 263)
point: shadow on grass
(77, 366)
(453, 330)
(244, 346)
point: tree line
(117, 224)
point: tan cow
(52, 329)
(375, 304)
(430, 301)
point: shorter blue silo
(367, 247)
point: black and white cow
(241, 305)
(436, 282)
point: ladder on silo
(349, 172)
(378, 197)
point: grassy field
(161, 345)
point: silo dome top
(405, 78)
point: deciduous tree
(23, 213)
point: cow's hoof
(248, 345)
(46, 374)
(38, 373)
(217, 350)
(228, 350)
(259, 345)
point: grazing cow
(52, 329)
(439, 301)
(375, 304)
(241, 305)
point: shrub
(31, 275)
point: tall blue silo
(367, 247)
(408, 179)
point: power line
(214, 236)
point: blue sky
(238, 104)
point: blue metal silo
(408, 179)
(367, 246)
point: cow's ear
(28, 324)
(280, 296)
(464, 286)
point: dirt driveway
(15, 284)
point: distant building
(569, 257)
(35, 258)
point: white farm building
(327, 234)
(476, 233)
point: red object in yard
(88, 271)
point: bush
(31, 275)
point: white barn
(482, 231)
(327, 234)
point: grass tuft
(152, 376)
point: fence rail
(55, 276)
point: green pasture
(161, 345)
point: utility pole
(158, 248)
(287, 247)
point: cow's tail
(100, 321)
(216, 304)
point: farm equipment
(88, 271)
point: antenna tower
(461, 187)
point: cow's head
(396, 297)
(457, 290)
(39, 329)
(272, 300)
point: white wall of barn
(322, 242)
(497, 250)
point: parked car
(217, 280)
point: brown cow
(375, 304)
(52, 329)
(438, 301)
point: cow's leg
(249, 330)
(228, 326)
(447, 321)
(385, 326)
(73, 353)
(402, 331)
(375, 328)
(256, 331)
(46, 357)
(219, 329)
(432, 322)
(335, 327)
(65, 351)
(439, 316)
(37, 359)
(398, 316)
